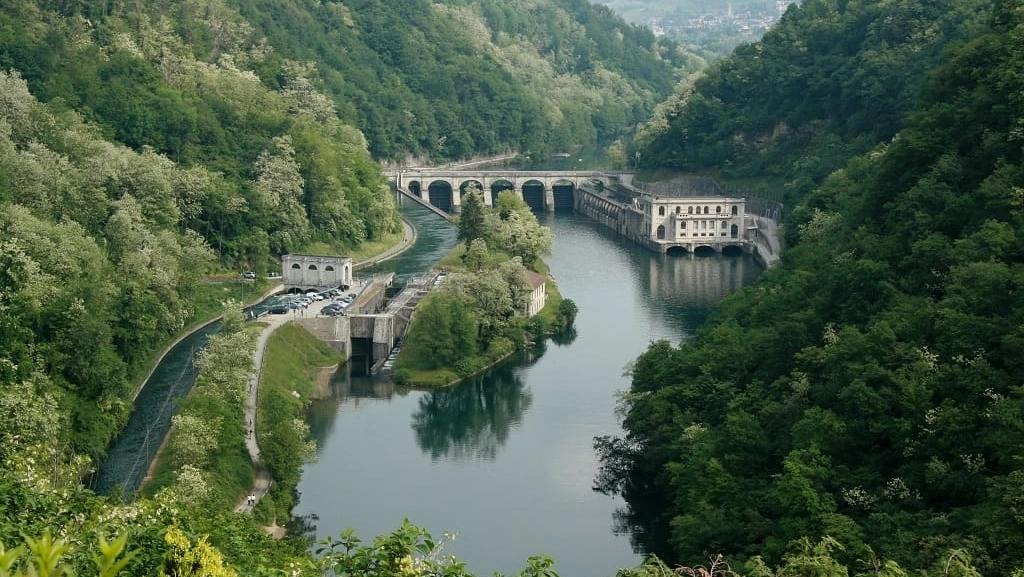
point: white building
(314, 272)
(692, 221)
(538, 292)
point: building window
(718, 210)
(724, 224)
(312, 267)
(679, 209)
(706, 210)
(661, 211)
(331, 268)
(296, 265)
(661, 230)
(735, 231)
(682, 225)
(689, 210)
(735, 211)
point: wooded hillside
(833, 79)
(869, 388)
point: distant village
(747, 21)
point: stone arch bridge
(540, 189)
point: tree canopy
(868, 388)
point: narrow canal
(506, 461)
(131, 453)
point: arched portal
(470, 185)
(415, 188)
(676, 251)
(563, 193)
(439, 194)
(533, 194)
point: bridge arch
(496, 187)
(534, 193)
(443, 194)
(563, 194)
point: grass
(210, 296)
(293, 362)
(294, 359)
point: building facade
(538, 293)
(314, 272)
(692, 221)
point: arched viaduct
(541, 189)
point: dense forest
(149, 152)
(868, 390)
(420, 79)
(861, 407)
(830, 81)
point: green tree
(476, 255)
(471, 218)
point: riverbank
(262, 482)
(248, 414)
(544, 324)
(484, 304)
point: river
(506, 460)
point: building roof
(302, 255)
(535, 279)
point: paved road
(263, 480)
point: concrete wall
(335, 331)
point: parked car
(249, 275)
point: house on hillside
(538, 293)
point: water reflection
(473, 420)
(698, 281)
(347, 392)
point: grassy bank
(294, 362)
(208, 436)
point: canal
(506, 460)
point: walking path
(261, 484)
